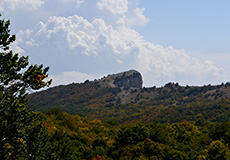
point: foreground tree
(18, 125)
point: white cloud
(119, 7)
(122, 44)
(21, 4)
(126, 10)
(96, 42)
(81, 35)
(169, 64)
(136, 18)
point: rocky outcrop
(128, 79)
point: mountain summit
(128, 79)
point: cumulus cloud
(126, 10)
(114, 6)
(96, 42)
(136, 18)
(169, 64)
(96, 38)
(81, 35)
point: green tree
(18, 125)
(221, 131)
(132, 134)
(218, 150)
(127, 137)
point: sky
(166, 41)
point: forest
(59, 135)
(79, 138)
(167, 126)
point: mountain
(121, 97)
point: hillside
(122, 98)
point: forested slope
(74, 137)
(101, 99)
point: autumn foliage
(98, 158)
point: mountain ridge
(123, 96)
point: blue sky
(193, 25)
(167, 41)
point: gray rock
(128, 79)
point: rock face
(128, 79)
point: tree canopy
(18, 125)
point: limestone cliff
(128, 79)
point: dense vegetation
(74, 137)
(172, 122)
(168, 104)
